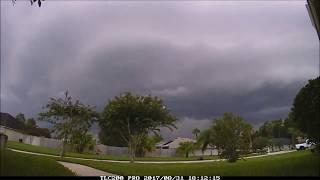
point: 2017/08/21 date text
(160, 177)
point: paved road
(81, 170)
(150, 162)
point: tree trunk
(250, 142)
(132, 151)
(63, 149)
(292, 140)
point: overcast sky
(203, 58)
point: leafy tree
(81, 140)
(29, 126)
(31, 123)
(195, 132)
(292, 129)
(185, 148)
(246, 140)
(92, 144)
(266, 130)
(279, 129)
(232, 135)
(68, 118)
(294, 132)
(275, 129)
(112, 137)
(20, 117)
(306, 109)
(134, 116)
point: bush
(316, 148)
(230, 154)
(259, 143)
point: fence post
(3, 141)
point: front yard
(52, 151)
(18, 164)
(301, 163)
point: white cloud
(179, 91)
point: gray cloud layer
(202, 58)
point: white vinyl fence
(14, 135)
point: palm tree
(147, 144)
(186, 148)
(205, 139)
(195, 132)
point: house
(9, 121)
(279, 144)
(173, 144)
(168, 148)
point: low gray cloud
(185, 125)
(202, 58)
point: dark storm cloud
(202, 58)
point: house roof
(9, 121)
(175, 143)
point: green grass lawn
(19, 164)
(52, 151)
(300, 163)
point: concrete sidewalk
(81, 170)
(151, 162)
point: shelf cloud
(201, 58)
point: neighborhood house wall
(162, 153)
(51, 143)
(111, 150)
(172, 153)
(14, 135)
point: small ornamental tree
(232, 135)
(70, 119)
(20, 117)
(134, 116)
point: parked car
(305, 145)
